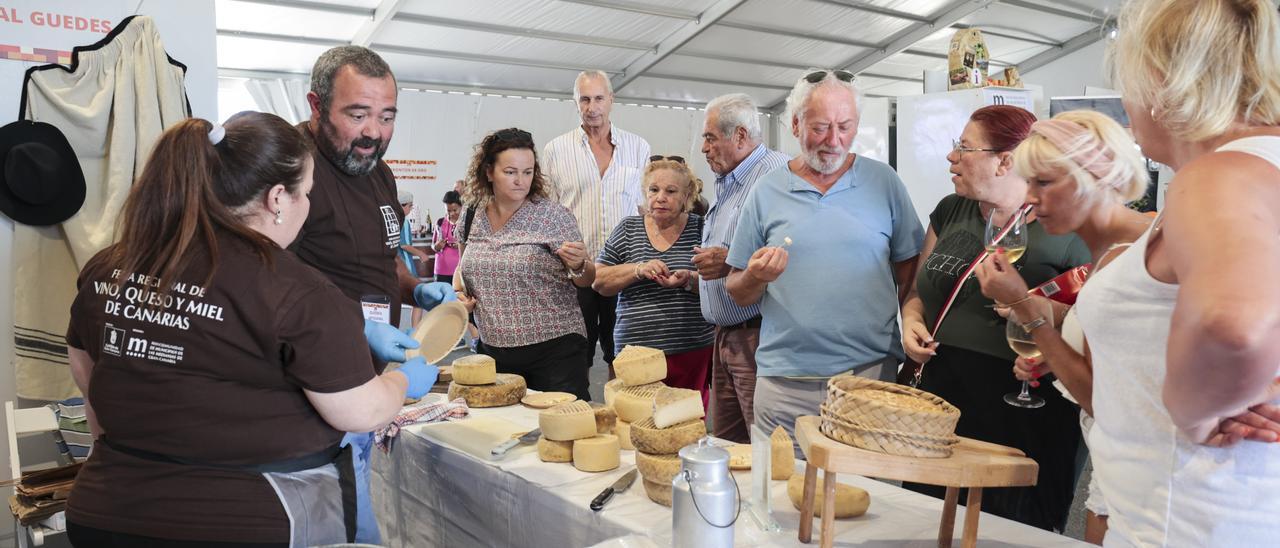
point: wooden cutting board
(476, 436)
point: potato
(851, 501)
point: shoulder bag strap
(955, 291)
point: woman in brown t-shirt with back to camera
(219, 371)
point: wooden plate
(544, 400)
(439, 331)
(446, 374)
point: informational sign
(45, 31)
(1008, 96)
(412, 170)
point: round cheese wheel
(851, 501)
(506, 390)
(606, 418)
(623, 430)
(637, 365)
(648, 438)
(475, 370)
(635, 403)
(568, 421)
(658, 492)
(554, 451)
(657, 468)
(597, 454)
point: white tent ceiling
(675, 52)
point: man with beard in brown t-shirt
(352, 233)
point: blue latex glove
(428, 295)
(421, 375)
(388, 343)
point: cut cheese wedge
(475, 370)
(782, 455)
(611, 389)
(568, 421)
(676, 405)
(648, 438)
(658, 492)
(851, 501)
(657, 468)
(637, 365)
(635, 403)
(739, 456)
(597, 454)
(506, 390)
(554, 451)
(606, 418)
(623, 430)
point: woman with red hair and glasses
(967, 360)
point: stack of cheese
(476, 380)
(569, 434)
(676, 421)
(640, 372)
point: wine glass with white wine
(1022, 343)
(1013, 240)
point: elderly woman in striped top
(648, 262)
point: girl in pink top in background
(445, 242)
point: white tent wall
(1070, 74)
(445, 127)
(188, 31)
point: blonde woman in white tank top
(1184, 327)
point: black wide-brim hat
(40, 178)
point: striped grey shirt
(648, 314)
(598, 203)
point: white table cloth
(431, 492)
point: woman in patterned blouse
(522, 255)
(648, 262)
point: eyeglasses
(820, 75)
(659, 157)
(961, 149)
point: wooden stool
(973, 464)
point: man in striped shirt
(731, 143)
(595, 171)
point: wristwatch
(1031, 325)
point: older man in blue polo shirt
(731, 143)
(827, 247)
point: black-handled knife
(618, 486)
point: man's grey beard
(826, 168)
(347, 161)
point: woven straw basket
(888, 418)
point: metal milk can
(704, 498)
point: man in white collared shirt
(595, 171)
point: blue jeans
(366, 525)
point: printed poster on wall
(39, 32)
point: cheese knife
(502, 448)
(618, 486)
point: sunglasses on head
(820, 75)
(657, 157)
